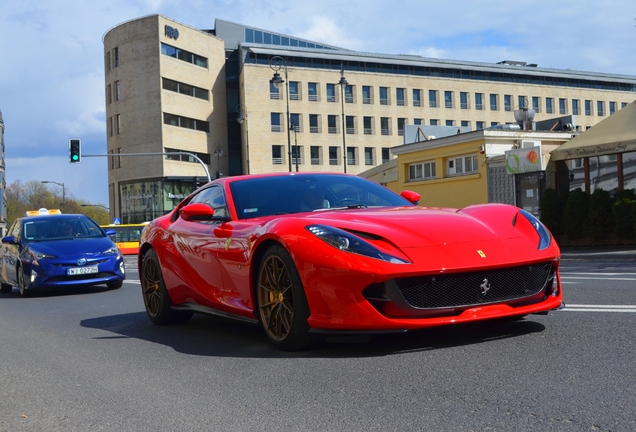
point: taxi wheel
(282, 304)
(156, 298)
(22, 284)
(114, 285)
(5, 288)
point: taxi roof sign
(42, 212)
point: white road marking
(599, 308)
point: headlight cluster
(35, 255)
(544, 235)
(348, 242)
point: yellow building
(171, 88)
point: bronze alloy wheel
(156, 298)
(275, 297)
(150, 286)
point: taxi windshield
(60, 229)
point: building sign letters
(172, 32)
(524, 160)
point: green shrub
(599, 223)
(624, 210)
(575, 213)
(551, 211)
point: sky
(52, 84)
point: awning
(615, 134)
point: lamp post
(242, 117)
(343, 83)
(218, 151)
(59, 184)
(295, 152)
(277, 63)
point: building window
(536, 104)
(294, 122)
(465, 123)
(185, 89)
(118, 124)
(575, 106)
(418, 121)
(384, 96)
(109, 96)
(368, 125)
(350, 125)
(274, 92)
(186, 122)
(588, 107)
(493, 102)
(366, 95)
(399, 96)
(600, 108)
(479, 101)
(333, 155)
(331, 92)
(400, 126)
(450, 123)
(612, 108)
(348, 93)
(563, 109)
(110, 126)
(463, 100)
(385, 126)
(522, 101)
(184, 55)
(448, 99)
(314, 123)
(294, 93)
(422, 171)
(508, 102)
(277, 154)
(312, 91)
(107, 61)
(479, 125)
(275, 121)
(549, 105)
(296, 155)
(332, 127)
(180, 156)
(623, 104)
(314, 153)
(116, 57)
(351, 156)
(118, 159)
(117, 91)
(417, 97)
(386, 154)
(368, 155)
(432, 98)
(434, 122)
(463, 165)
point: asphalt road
(91, 360)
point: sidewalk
(622, 253)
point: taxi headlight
(111, 251)
(348, 242)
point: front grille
(474, 288)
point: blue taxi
(47, 249)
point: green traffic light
(75, 157)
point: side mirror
(412, 197)
(110, 232)
(196, 212)
(8, 240)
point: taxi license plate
(82, 270)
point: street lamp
(296, 153)
(242, 117)
(343, 83)
(218, 151)
(277, 63)
(59, 184)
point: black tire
(5, 288)
(282, 303)
(22, 284)
(115, 285)
(156, 298)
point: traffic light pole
(207, 173)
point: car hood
(419, 226)
(73, 247)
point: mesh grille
(474, 288)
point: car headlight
(544, 236)
(112, 251)
(35, 255)
(348, 242)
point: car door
(197, 243)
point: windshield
(60, 228)
(264, 196)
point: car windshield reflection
(60, 229)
